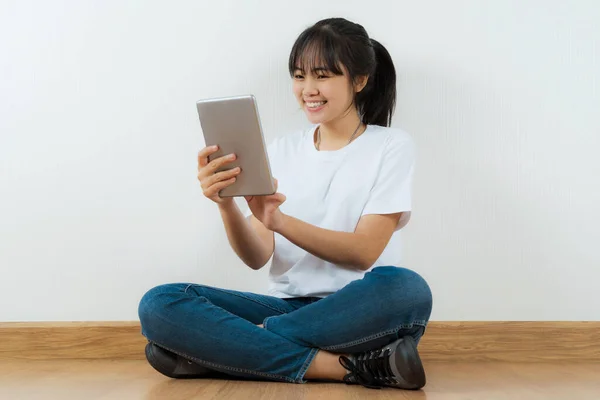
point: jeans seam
(371, 337)
(228, 368)
(264, 324)
(211, 364)
(306, 365)
(240, 295)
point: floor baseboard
(511, 341)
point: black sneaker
(173, 365)
(396, 365)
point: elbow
(366, 262)
(260, 262)
(364, 267)
(369, 253)
(367, 257)
(256, 265)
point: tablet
(233, 124)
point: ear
(361, 82)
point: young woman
(339, 308)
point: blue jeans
(217, 328)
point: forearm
(346, 249)
(243, 238)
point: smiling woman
(340, 307)
(339, 65)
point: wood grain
(131, 380)
(71, 340)
(512, 341)
(443, 341)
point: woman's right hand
(211, 181)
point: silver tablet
(233, 124)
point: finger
(214, 165)
(217, 187)
(219, 162)
(222, 176)
(278, 197)
(204, 153)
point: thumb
(281, 197)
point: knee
(155, 302)
(407, 286)
(410, 282)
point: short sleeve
(391, 192)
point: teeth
(315, 105)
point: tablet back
(233, 124)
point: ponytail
(377, 101)
(335, 42)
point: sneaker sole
(409, 356)
(163, 369)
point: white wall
(99, 134)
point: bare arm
(251, 241)
(358, 249)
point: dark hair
(335, 42)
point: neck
(336, 133)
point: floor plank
(132, 379)
(444, 341)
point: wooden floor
(129, 379)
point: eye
(298, 76)
(322, 76)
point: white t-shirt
(332, 190)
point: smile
(313, 106)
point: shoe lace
(370, 369)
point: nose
(310, 88)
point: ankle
(326, 366)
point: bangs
(315, 50)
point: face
(324, 96)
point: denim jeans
(217, 328)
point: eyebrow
(316, 69)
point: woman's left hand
(266, 209)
